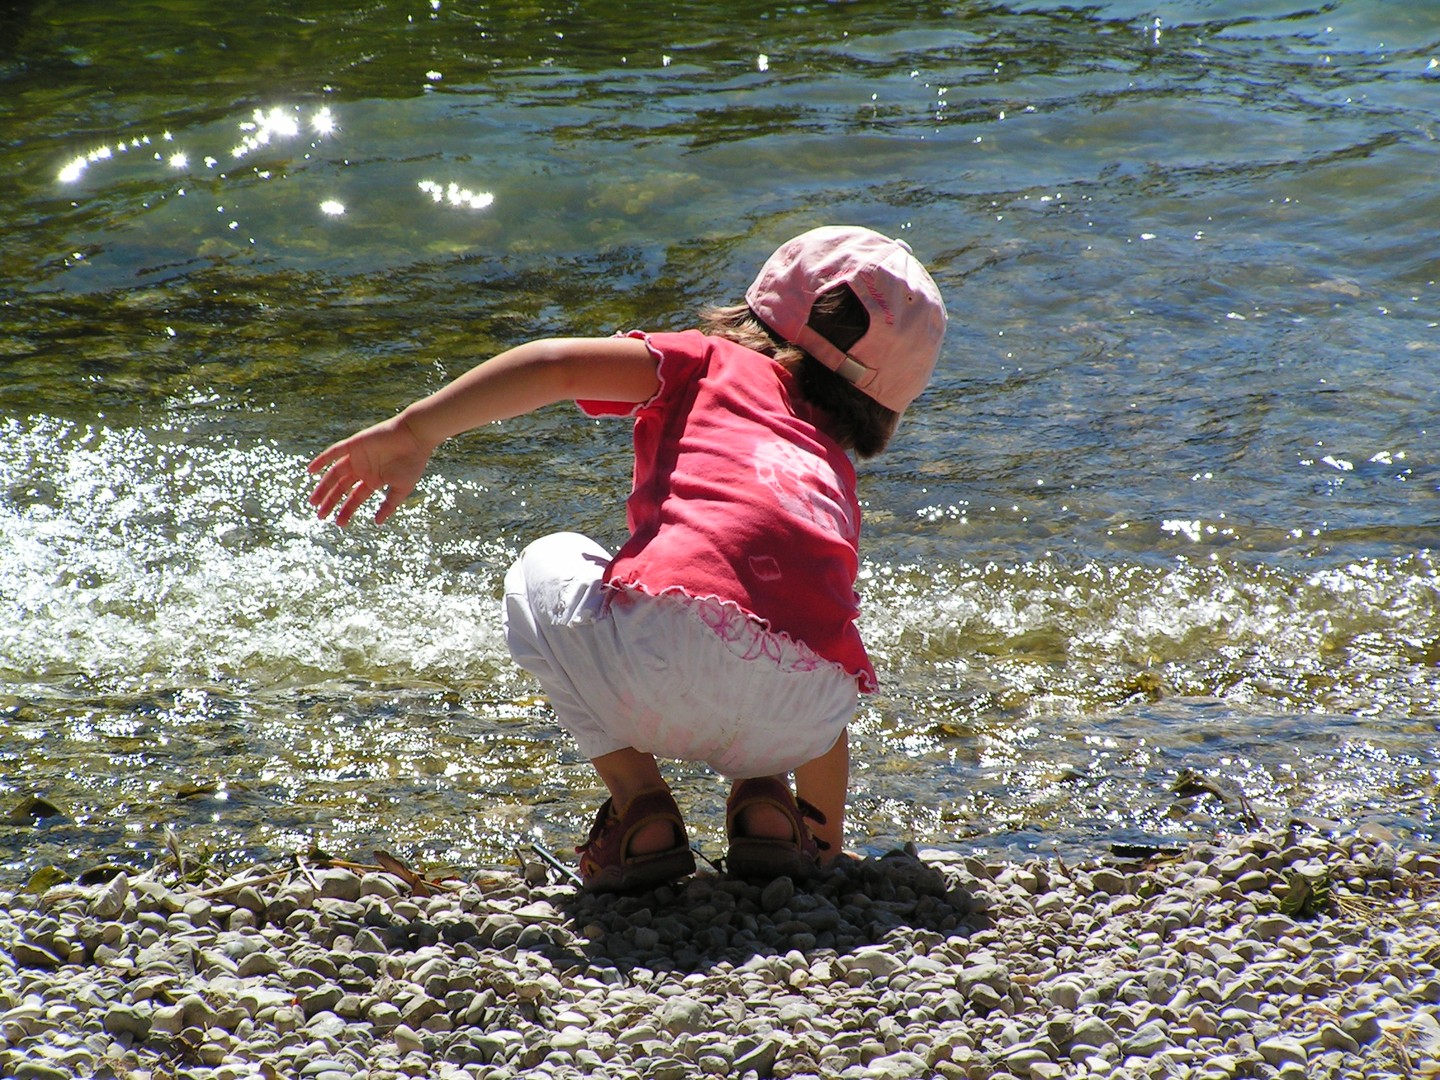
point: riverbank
(1271, 955)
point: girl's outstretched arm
(392, 455)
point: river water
(1154, 557)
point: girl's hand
(387, 455)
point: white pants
(667, 675)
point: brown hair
(855, 420)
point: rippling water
(1157, 550)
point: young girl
(724, 629)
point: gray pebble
(123, 1019)
(340, 884)
(110, 901)
(1281, 1051)
(35, 1070)
(258, 963)
(777, 894)
(1093, 1031)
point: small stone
(1148, 1040)
(1065, 994)
(384, 1015)
(369, 941)
(569, 1040)
(1363, 1026)
(337, 883)
(875, 960)
(286, 1019)
(35, 1070)
(29, 954)
(109, 902)
(322, 998)
(1094, 1032)
(1201, 1022)
(792, 1013)
(322, 1065)
(198, 911)
(384, 886)
(249, 898)
(326, 1025)
(418, 1010)
(1255, 881)
(122, 1019)
(985, 999)
(777, 894)
(168, 1020)
(196, 1011)
(1020, 1060)
(258, 963)
(1272, 927)
(1333, 1038)
(407, 1039)
(899, 1066)
(684, 1015)
(991, 975)
(497, 1045)
(760, 1059)
(1109, 881)
(1281, 1051)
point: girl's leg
(628, 773)
(822, 782)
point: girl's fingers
(338, 487)
(353, 501)
(330, 454)
(324, 495)
(394, 496)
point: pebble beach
(1289, 954)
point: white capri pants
(692, 680)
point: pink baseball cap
(894, 360)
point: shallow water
(1156, 550)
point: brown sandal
(605, 862)
(767, 858)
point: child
(724, 629)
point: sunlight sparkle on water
(264, 127)
(455, 195)
(332, 207)
(71, 172)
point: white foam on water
(130, 554)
